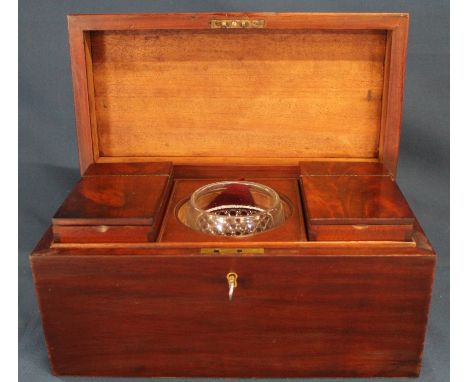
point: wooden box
(309, 104)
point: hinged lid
(238, 88)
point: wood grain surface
(129, 168)
(354, 200)
(292, 316)
(115, 203)
(113, 200)
(342, 168)
(310, 85)
(361, 232)
(293, 94)
(86, 234)
(355, 207)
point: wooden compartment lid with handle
(237, 88)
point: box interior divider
(329, 201)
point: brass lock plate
(231, 251)
(237, 24)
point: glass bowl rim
(259, 186)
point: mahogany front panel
(291, 316)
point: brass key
(232, 283)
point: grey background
(48, 162)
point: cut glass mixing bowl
(233, 208)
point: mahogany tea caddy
(309, 104)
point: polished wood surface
(79, 51)
(419, 247)
(115, 203)
(298, 89)
(85, 234)
(355, 207)
(392, 109)
(293, 230)
(360, 232)
(85, 230)
(270, 247)
(119, 100)
(309, 316)
(354, 200)
(113, 200)
(276, 20)
(342, 168)
(129, 168)
(219, 171)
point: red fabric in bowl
(234, 194)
